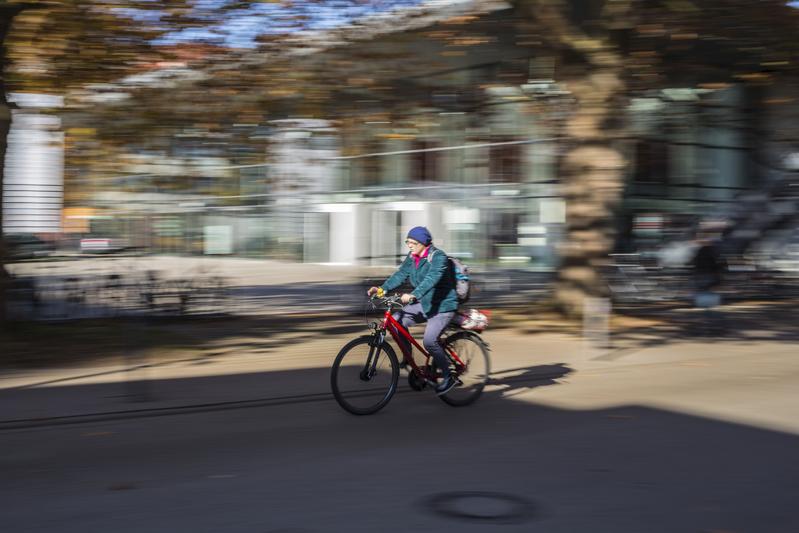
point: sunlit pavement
(677, 435)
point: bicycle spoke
(475, 370)
(364, 377)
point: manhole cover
(480, 506)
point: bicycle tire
(471, 346)
(349, 371)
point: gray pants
(413, 314)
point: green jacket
(433, 281)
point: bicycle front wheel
(473, 370)
(364, 376)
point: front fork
(370, 368)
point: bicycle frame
(396, 329)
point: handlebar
(389, 301)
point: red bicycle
(365, 373)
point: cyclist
(433, 298)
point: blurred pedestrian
(708, 274)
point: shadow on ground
(88, 342)
(138, 391)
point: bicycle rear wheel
(364, 376)
(473, 353)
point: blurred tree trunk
(591, 171)
(592, 166)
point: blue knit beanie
(420, 234)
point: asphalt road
(694, 438)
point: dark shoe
(446, 385)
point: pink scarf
(417, 258)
